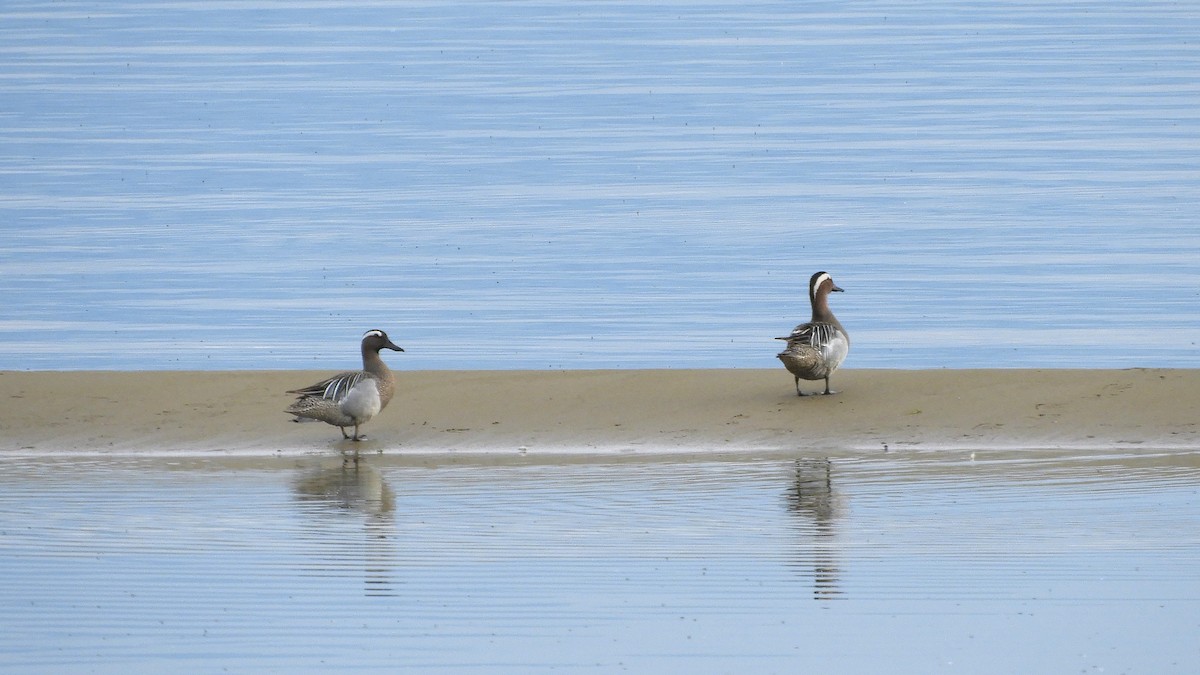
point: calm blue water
(1029, 562)
(577, 184)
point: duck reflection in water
(811, 498)
(354, 488)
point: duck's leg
(344, 435)
(356, 436)
(827, 390)
(798, 392)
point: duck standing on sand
(816, 349)
(353, 398)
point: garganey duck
(816, 349)
(353, 398)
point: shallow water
(563, 184)
(1015, 561)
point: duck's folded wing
(816, 335)
(335, 387)
(798, 333)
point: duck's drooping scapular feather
(351, 398)
(816, 349)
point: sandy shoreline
(610, 410)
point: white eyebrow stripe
(812, 290)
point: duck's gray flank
(351, 398)
(815, 349)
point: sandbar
(603, 411)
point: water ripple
(292, 564)
(581, 187)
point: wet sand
(615, 410)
